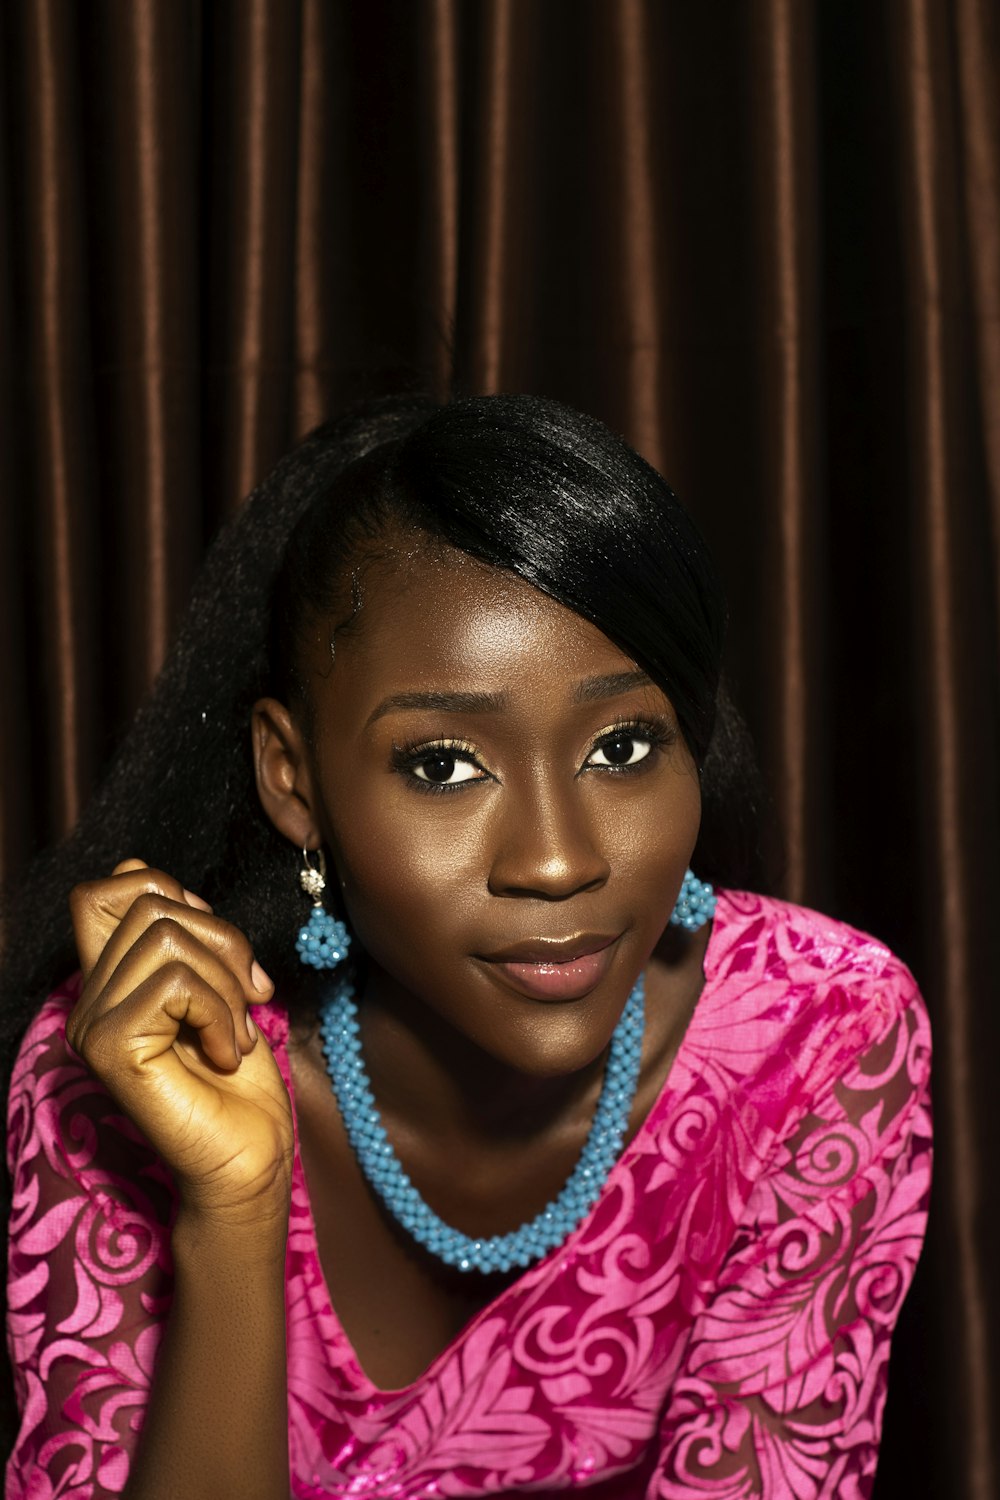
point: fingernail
(251, 1027)
(193, 900)
(260, 979)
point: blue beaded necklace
(382, 1168)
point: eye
(623, 748)
(441, 766)
(444, 767)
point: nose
(547, 846)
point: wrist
(248, 1236)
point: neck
(424, 1071)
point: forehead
(428, 615)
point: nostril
(552, 878)
(546, 844)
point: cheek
(409, 873)
(414, 868)
(650, 838)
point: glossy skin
(487, 1092)
(162, 1021)
(538, 837)
(570, 814)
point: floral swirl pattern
(717, 1327)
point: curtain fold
(493, 197)
(311, 394)
(139, 67)
(761, 240)
(951, 624)
(251, 95)
(15, 665)
(977, 41)
(58, 411)
(439, 112)
(783, 131)
(640, 249)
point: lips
(564, 969)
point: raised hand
(163, 1022)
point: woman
(532, 1163)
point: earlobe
(284, 777)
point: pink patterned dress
(717, 1327)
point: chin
(558, 1041)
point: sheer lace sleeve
(89, 1271)
(782, 1392)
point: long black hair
(521, 483)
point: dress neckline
(306, 1229)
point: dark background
(759, 237)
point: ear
(284, 778)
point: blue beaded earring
(695, 905)
(323, 942)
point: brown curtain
(760, 238)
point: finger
(120, 1042)
(98, 906)
(110, 915)
(126, 866)
(217, 952)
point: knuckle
(80, 894)
(148, 906)
(87, 1038)
(74, 1030)
(163, 932)
(235, 996)
(99, 1043)
(85, 897)
(240, 947)
(176, 977)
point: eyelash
(657, 733)
(406, 758)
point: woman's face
(508, 802)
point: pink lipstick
(542, 971)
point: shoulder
(63, 1126)
(791, 937)
(761, 940)
(812, 987)
(88, 1264)
(44, 1065)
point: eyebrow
(612, 685)
(463, 703)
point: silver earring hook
(313, 881)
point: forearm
(217, 1421)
